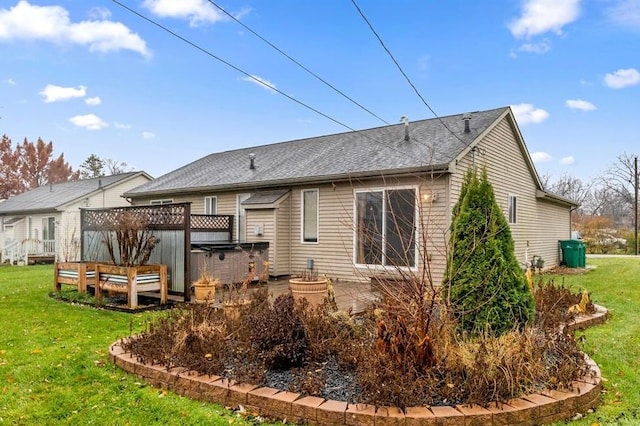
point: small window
(512, 207)
(211, 205)
(310, 216)
(158, 202)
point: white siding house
(44, 223)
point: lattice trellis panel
(171, 216)
(215, 223)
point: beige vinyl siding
(264, 218)
(554, 224)
(504, 158)
(333, 254)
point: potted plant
(204, 288)
(310, 286)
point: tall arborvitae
(485, 284)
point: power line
(296, 62)
(401, 70)
(208, 53)
(205, 51)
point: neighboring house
(44, 223)
(369, 202)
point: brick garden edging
(544, 407)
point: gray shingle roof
(48, 198)
(351, 154)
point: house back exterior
(371, 203)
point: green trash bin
(582, 254)
(570, 253)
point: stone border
(544, 407)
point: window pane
(210, 205)
(369, 228)
(400, 227)
(310, 216)
(512, 207)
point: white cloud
(622, 78)
(53, 93)
(101, 13)
(625, 13)
(88, 121)
(9, 81)
(568, 160)
(198, 12)
(265, 84)
(580, 104)
(541, 157)
(121, 126)
(538, 48)
(148, 135)
(52, 24)
(93, 101)
(526, 113)
(541, 16)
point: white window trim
(317, 241)
(161, 201)
(206, 203)
(515, 209)
(386, 268)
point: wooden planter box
(79, 274)
(131, 280)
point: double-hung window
(386, 227)
(512, 209)
(211, 205)
(310, 215)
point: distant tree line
(607, 202)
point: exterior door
(241, 222)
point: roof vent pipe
(252, 157)
(99, 183)
(467, 119)
(404, 119)
(50, 187)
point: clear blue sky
(94, 78)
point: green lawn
(615, 346)
(54, 366)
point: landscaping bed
(333, 356)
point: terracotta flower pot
(313, 290)
(204, 293)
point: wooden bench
(131, 280)
(79, 274)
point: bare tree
(619, 181)
(115, 167)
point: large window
(512, 207)
(310, 216)
(211, 205)
(385, 227)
